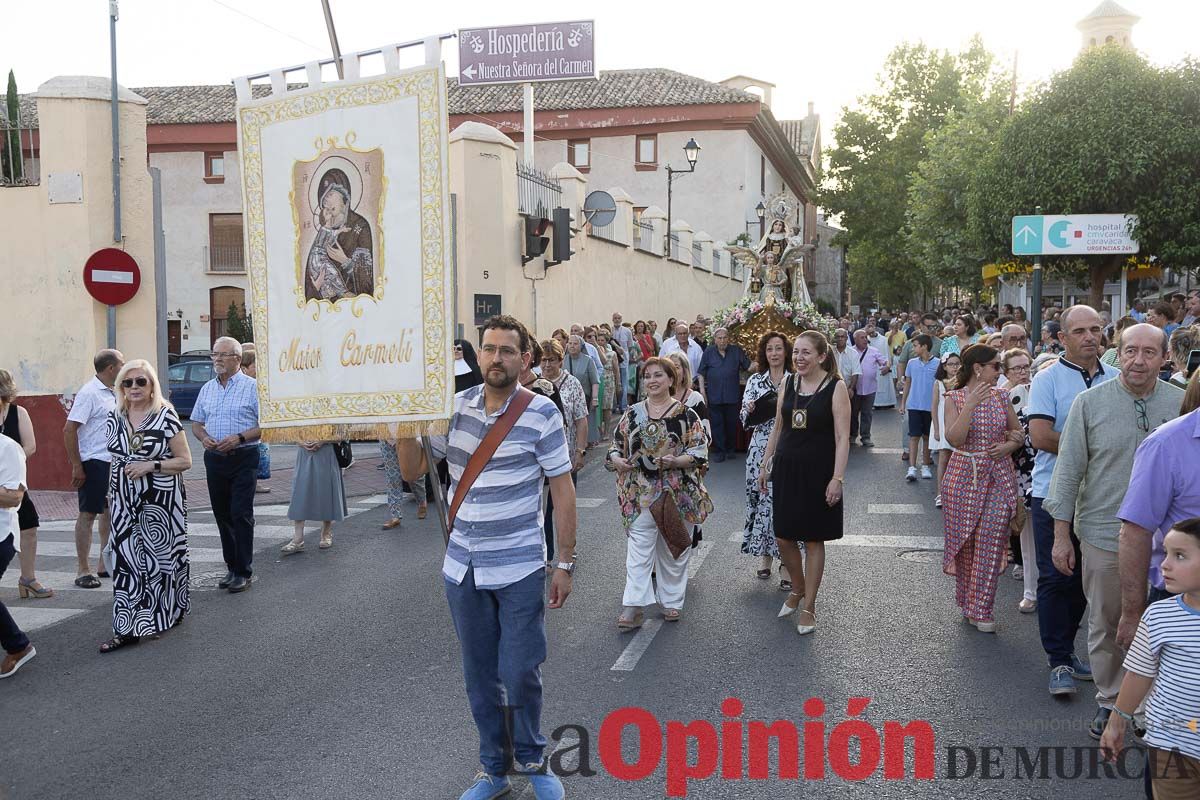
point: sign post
(1069, 234)
(527, 54)
(112, 277)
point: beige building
(620, 131)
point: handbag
(345, 456)
(764, 409)
(671, 526)
(487, 448)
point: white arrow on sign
(1025, 233)
(470, 72)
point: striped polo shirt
(498, 529)
(1166, 647)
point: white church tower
(1109, 23)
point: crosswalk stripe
(31, 618)
(896, 508)
(206, 555)
(590, 502)
(58, 581)
(901, 542)
(637, 647)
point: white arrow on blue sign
(1074, 234)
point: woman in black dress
(805, 461)
(16, 425)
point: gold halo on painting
(352, 174)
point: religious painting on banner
(346, 198)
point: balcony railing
(19, 162)
(643, 236)
(537, 193)
(224, 258)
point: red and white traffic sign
(111, 276)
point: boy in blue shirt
(917, 403)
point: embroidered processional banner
(346, 200)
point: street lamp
(761, 212)
(692, 151)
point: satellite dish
(599, 209)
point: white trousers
(1029, 557)
(645, 550)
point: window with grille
(225, 243)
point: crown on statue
(781, 206)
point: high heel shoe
(803, 629)
(33, 589)
(787, 610)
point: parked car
(188, 355)
(186, 378)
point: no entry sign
(111, 276)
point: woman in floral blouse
(658, 447)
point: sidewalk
(360, 479)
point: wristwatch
(158, 466)
(566, 566)
(241, 438)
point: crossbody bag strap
(488, 446)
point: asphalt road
(337, 674)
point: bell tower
(1108, 23)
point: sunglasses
(129, 383)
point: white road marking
(58, 581)
(590, 502)
(638, 646)
(697, 559)
(886, 451)
(31, 618)
(900, 542)
(896, 508)
(206, 555)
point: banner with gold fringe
(346, 200)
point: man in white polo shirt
(87, 449)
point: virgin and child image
(341, 259)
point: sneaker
(14, 661)
(1099, 723)
(937, 501)
(546, 785)
(925, 473)
(911, 475)
(1062, 680)
(1027, 606)
(487, 787)
(1080, 670)
(1018, 572)
(867, 443)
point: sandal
(326, 541)
(87, 582)
(763, 574)
(422, 510)
(117, 642)
(629, 623)
(785, 585)
(292, 547)
(672, 614)
(33, 588)
(803, 629)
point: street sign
(552, 51)
(111, 276)
(486, 307)
(1074, 234)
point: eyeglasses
(224, 355)
(1022, 368)
(504, 352)
(1143, 421)
(129, 383)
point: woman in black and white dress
(763, 390)
(150, 568)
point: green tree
(237, 323)
(942, 197)
(1112, 134)
(13, 167)
(879, 146)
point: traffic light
(536, 240)
(562, 236)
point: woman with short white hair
(148, 550)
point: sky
(828, 53)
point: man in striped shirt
(494, 568)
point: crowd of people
(1070, 454)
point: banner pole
(439, 498)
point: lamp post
(692, 151)
(761, 212)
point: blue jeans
(12, 638)
(503, 638)
(1060, 598)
